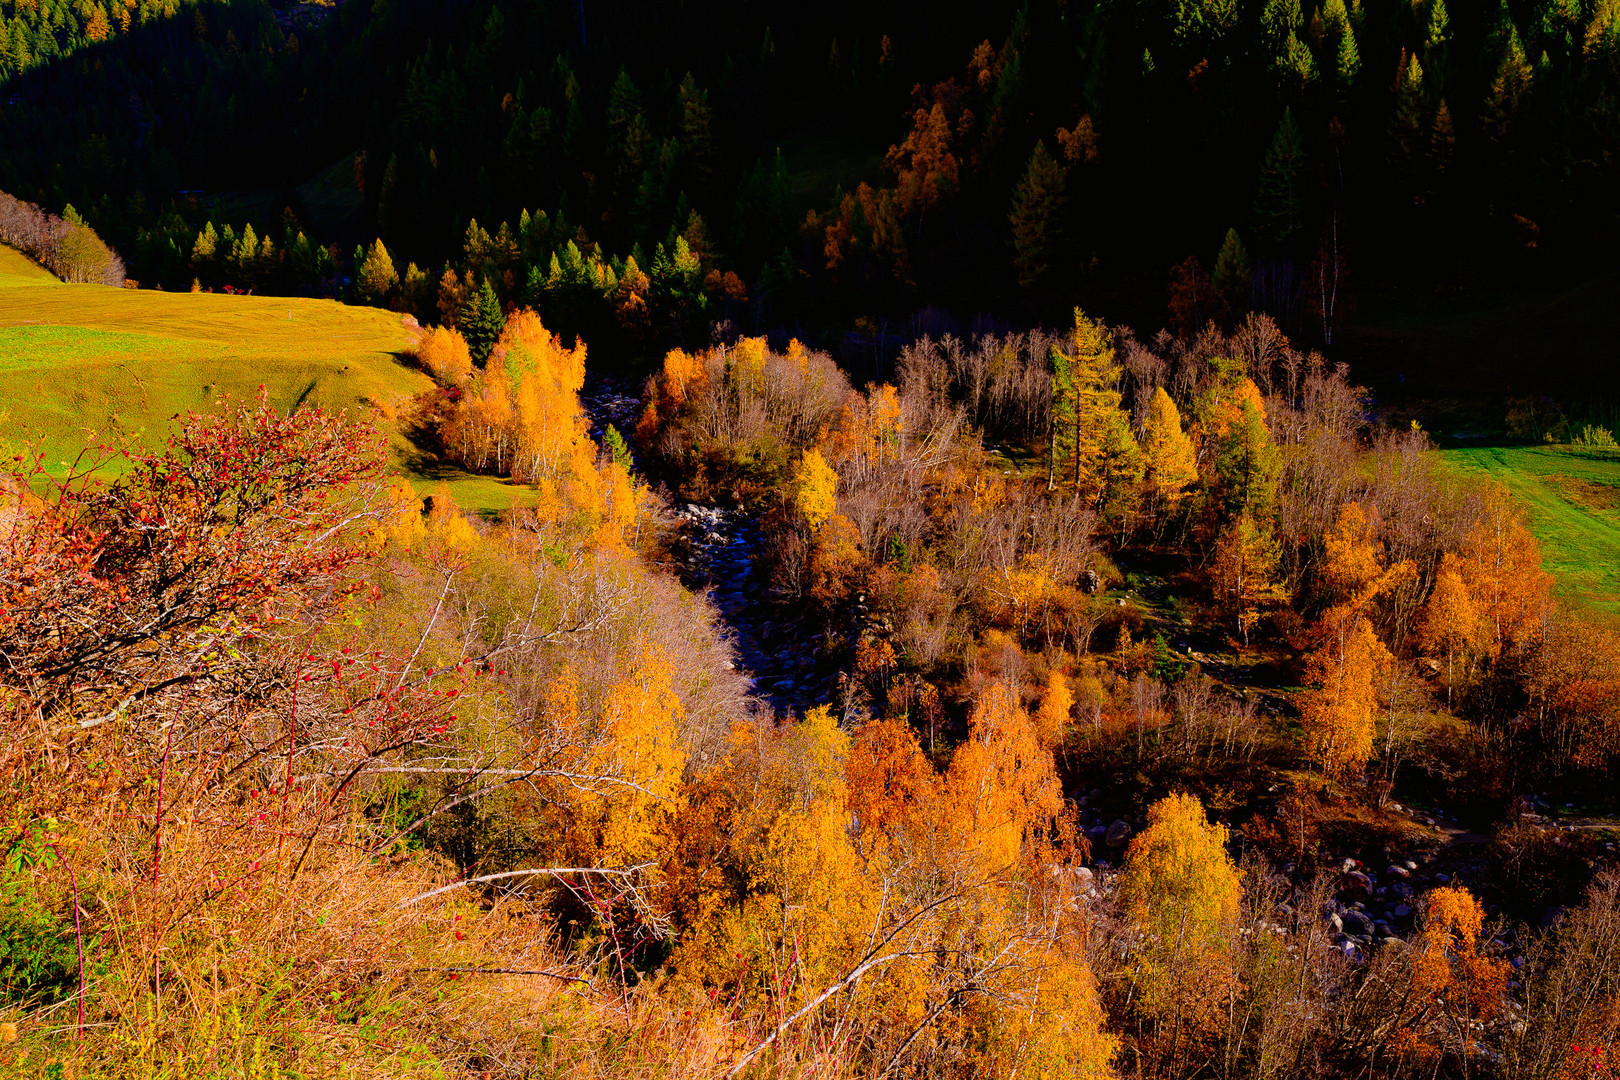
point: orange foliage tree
(1454, 987)
(1347, 670)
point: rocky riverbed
(715, 549)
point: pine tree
(481, 322)
(1406, 126)
(1120, 465)
(697, 134)
(203, 250)
(1082, 454)
(1247, 462)
(1296, 67)
(1036, 217)
(1347, 66)
(1233, 273)
(1508, 89)
(628, 133)
(1279, 202)
(1245, 571)
(617, 448)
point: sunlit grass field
(81, 359)
(1573, 500)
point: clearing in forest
(87, 358)
(1572, 497)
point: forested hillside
(636, 171)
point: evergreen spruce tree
(1036, 217)
(481, 322)
(1233, 272)
(1279, 201)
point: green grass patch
(1572, 498)
(81, 359)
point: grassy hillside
(1573, 499)
(78, 358)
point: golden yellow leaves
(1182, 891)
(815, 486)
(444, 355)
(1171, 462)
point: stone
(1442, 878)
(1117, 833)
(1357, 883)
(1402, 911)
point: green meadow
(83, 360)
(1572, 497)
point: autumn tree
(925, 164)
(1339, 712)
(1171, 465)
(1455, 988)
(1181, 892)
(1246, 570)
(1057, 703)
(444, 354)
(1087, 445)
(814, 488)
(1500, 563)
(1449, 623)
(1194, 299)
(375, 278)
(1247, 460)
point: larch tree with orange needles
(1345, 671)
(1340, 710)
(1449, 623)
(1500, 561)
